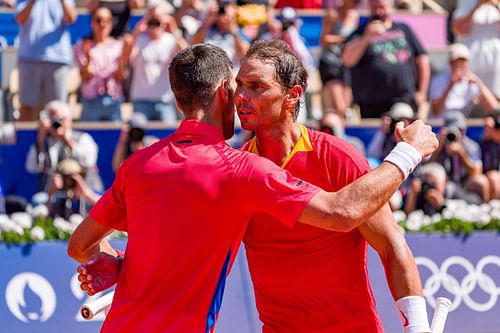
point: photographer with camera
(461, 158)
(69, 193)
(132, 138)
(458, 88)
(427, 191)
(56, 140)
(383, 141)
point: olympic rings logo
(475, 277)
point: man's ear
(293, 95)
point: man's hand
(374, 29)
(100, 272)
(419, 135)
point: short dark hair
(289, 70)
(195, 72)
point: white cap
(459, 51)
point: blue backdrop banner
(40, 293)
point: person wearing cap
(132, 138)
(187, 200)
(149, 50)
(384, 140)
(69, 192)
(461, 158)
(475, 23)
(388, 63)
(458, 88)
(55, 141)
(334, 124)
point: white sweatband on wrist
(405, 157)
(413, 313)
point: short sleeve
(413, 41)
(263, 186)
(110, 210)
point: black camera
(56, 124)
(497, 122)
(427, 185)
(286, 24)
(453, 134)
(136, 134)
(222, 9)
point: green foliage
(455, 226)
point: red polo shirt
(185, 203)
(309, 280)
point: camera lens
(56, 124)
(451, 137)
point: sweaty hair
(289, 70)
(194, 74)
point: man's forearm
(354, 50)
(355, 203)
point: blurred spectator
(69, 193)
(388, 63)
(338, 24)
(44, 52)
(221, 29)
(120, 11)
(56, 140)
(149, 50)
(334, 124)
(98, 58)
(7, 3)
(428, 191)
(384, 140)
(490, 148)
(457, 88)
(132, 138)
(189, 17)
(476, 23)
(461, 158)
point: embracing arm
(355, 203)
(86, 239)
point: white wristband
(413, 313)
(405, 157)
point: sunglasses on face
(154, 22)
(100, 20)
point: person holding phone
(388, 63)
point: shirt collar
(199, 128)
(302, 145)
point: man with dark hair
(307, 279)
(186, 202)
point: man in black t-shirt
(388, 63)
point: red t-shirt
(307, 279)
(185, 203)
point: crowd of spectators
(373, 68)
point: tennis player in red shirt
(185, 202)
(307, 279)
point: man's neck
(277, 143)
